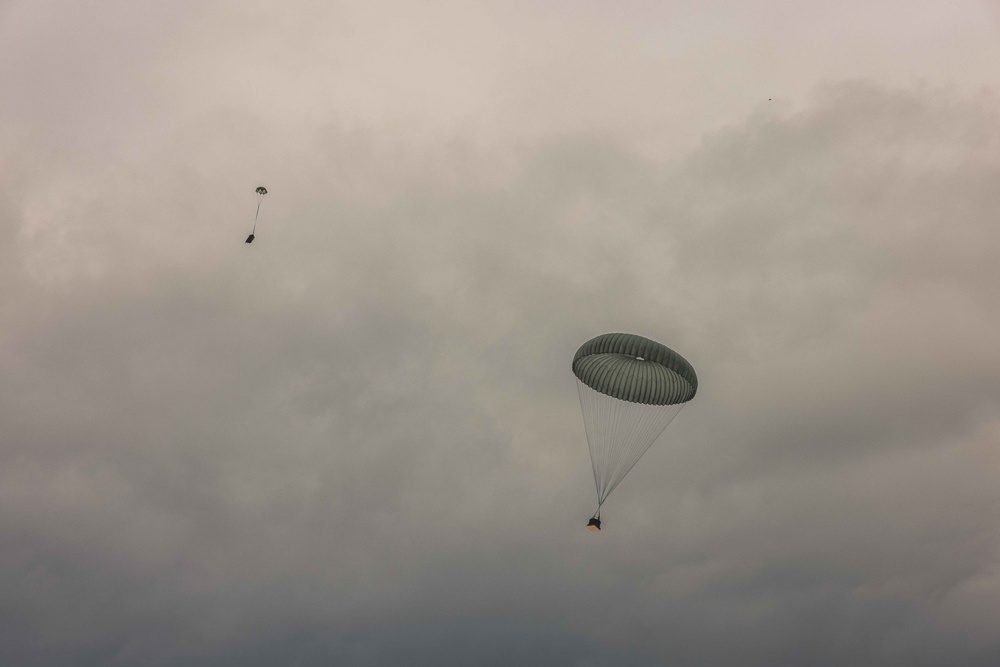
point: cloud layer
(358, 441)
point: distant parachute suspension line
(261, 191)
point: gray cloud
(357, 441)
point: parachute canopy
(633, 368)
(630, 389)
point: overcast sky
(358, 440)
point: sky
(358, 440)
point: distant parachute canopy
(261, 191)
(630, 389)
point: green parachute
(261, 191)
(630, 388)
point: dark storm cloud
(357, 440)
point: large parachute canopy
(630, 389)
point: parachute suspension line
(618, 434)
(585, 402)
(260, 198)
(638, 438)
(261, 191)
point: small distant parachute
(630, 390)
(261, 191)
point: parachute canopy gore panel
(635, 369)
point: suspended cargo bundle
(630, 390)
